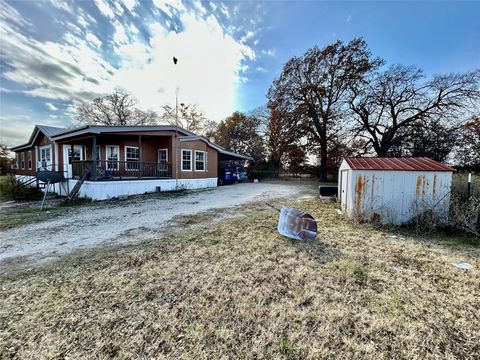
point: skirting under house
(98, 190)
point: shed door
(343, 189)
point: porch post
(140, 160)
(94, 152)
(71, 158)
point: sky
(56, 55)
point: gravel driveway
(123, 221)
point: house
(393, 190)
(122, 160)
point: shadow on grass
(316, 250)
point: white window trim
(204, 160)
(30, 160)
(126, 160)
(22, 160)
(40, 152)
(108, 161)
(191, 159)
(166, 158)
(158, 152)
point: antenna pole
(176, 139)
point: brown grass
(239, 290)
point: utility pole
(176, 138)
(175, 60)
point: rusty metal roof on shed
(397, 164)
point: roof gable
(48, 131)
(397, 164)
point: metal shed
(393, 190)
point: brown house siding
(212, 156)
(40, 141)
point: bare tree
(115, 109)
(315, 88)
(189, 117)
(394, 102)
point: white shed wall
(396, 196)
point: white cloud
(105, 8)
(62, 5)
(168, 6)
(84, 19)
(130, 4)
(269, 52)
(11, 15)
(118, 8)
(261, 69)
(198, 5)
(51, 106)
(208, 70)
(91, 38)
(349, 17)
(120, 36)
(224, 11)
(247, 36)
(211, 62)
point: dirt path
(123, 222)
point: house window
(132, 157)
(112, 156)
(22, 162)
(186, 160)
(162, 159)
(199, 160)
(45, 156)
(29, 160)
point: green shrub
(8, 192)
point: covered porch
(110, 157)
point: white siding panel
(395, 197)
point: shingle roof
(397, 164)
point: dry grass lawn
(239, 290)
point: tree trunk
(323, 161)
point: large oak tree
(240, 133)
(315, 88)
